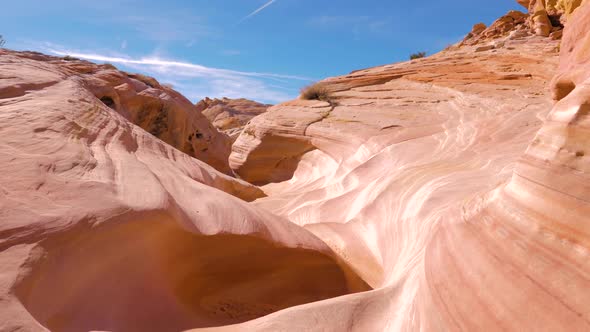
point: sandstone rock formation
(159, 110)
(480, 225)
(511, 22)
(448, 193)
(104, 227)
(230, 116)
(547, 16)
(575, 57)
(400, 101)
(563, 9)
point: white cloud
(198, 81)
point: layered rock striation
(106, 227)
(441, 194)
(141, 100)
(401, 102)
(479, 224)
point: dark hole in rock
(199, 135)
(562, 89)
(108, 101)
(556, 20)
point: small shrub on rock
(70, 58)
(316, 91)
(418, 55)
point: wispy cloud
(254, 13)
(198, 81)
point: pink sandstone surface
(141, 100)
(443, 194)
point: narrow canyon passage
(443, 193)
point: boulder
(506, 24)
(540, 23)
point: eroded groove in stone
(152, 275)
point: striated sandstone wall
(157, 109)
(399, 101)
(482, 226)
(105, 227)
(442, 194)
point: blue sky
(259, 49)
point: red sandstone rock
(512, 21)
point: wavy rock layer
(105, 227)
(157, 109)
(440, 194)
(478, 221)
(399, 102)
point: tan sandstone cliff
(442, 194)
(103, 226)
(468, 212)
(141, 100)
(548, 16)
(399, 102)
(230, 116)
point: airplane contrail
(257, 11)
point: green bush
(418, 55)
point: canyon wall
(230, 116)
(440, 194)
(140, 99)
